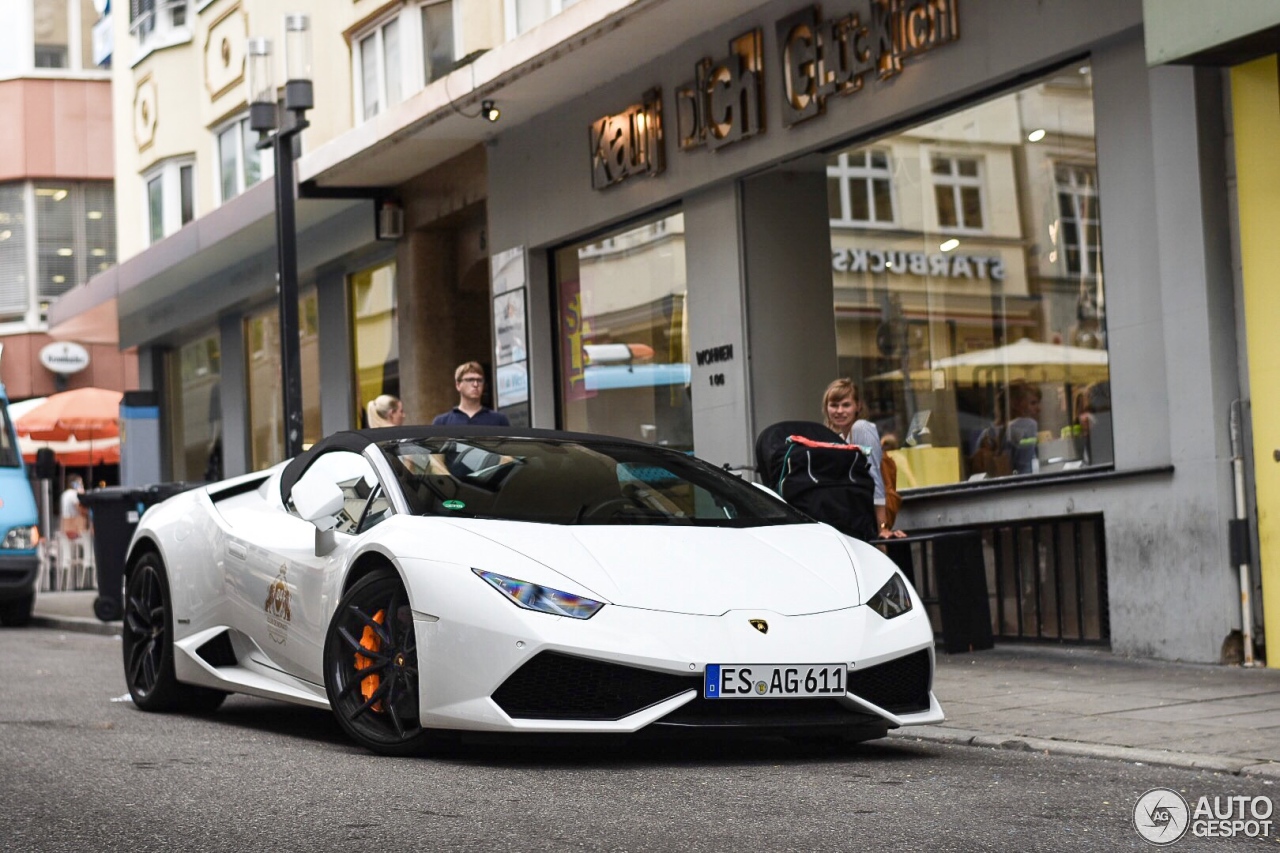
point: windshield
(573, 482)
(9, 457)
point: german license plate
(765, 681)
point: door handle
(235, 549)
(1275, 454)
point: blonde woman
(385, 410)
(840, 408)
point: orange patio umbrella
(81, 413)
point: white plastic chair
(74, 561)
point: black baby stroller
(817, 473)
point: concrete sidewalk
(1055, 699)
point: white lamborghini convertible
(422, 580)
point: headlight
(21, 538)
(893, 599)
(543, 599)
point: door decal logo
(277, 608)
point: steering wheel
(610, 506)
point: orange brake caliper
(369, 640)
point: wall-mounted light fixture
(389, 220)
(489, 111)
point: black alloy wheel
(147, 641)
(371, 666)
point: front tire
(371, 667)
(147, 641)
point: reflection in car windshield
(571, 482)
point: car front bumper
(18, 574)
(470, 659)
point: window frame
(511, 16)
(377, 31)
(957, 183)
(266, 166)
(455, 48)
(154, 24)
(1087, 270)
(169, 173)
(845, 174)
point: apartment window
(860, 188)
(380, 70)
(170, 197)
(159, 23)
(957, 189)
(14, 272)
(240, 163)
(62, 32)
(68, 228)
(75, 234)
(524, 15)
(438, 49)
(1078, 233)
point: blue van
(19, 527)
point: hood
(789, 569)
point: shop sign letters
(833, 57)
(724, 102)
(628, 143)
(917, 263)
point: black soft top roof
(357, 440)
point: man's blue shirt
(484, 417)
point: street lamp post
(278, 132)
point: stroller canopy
(771, 446)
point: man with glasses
(469, 378)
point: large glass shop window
(266, 395)
(623, 329)
(194, 387)
(375, 335)
(968, 287)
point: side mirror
(317, 499)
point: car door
(288, 586)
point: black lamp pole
(263, 119)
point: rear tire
(371, 667)
(17, 612)
(147, 641)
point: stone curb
(1078, 749)
(77, 625)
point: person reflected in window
(469, 379)
(385, 410)
(840, 411)
(1008, 446)
(1024, 426)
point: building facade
(57, 205)
(1011, 231)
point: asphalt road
(82, 771)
